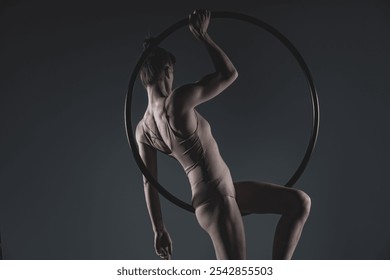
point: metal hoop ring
(237, 16)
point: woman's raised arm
(211, 85)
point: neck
(157, 91)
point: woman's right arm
(213, 84)
(162, 240)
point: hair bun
(149, 41)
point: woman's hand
(163, 244)
(198, 22)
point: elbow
(147, 185)
(149, 189)
(230, 75)
(234, 75)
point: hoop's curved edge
(261, 24)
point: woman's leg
(292, 204)
(221, 219)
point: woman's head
(157, 65)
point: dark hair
(155, 63)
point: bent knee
(301, 204)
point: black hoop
(237, 16)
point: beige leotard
(199, 156)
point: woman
(173, 126)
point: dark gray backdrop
(70, 188)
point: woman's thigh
(221, 219)
(262, 198)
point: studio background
(70, 188)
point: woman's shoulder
(181, 97)
(140, 131)
(142, 128)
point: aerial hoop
(230, 15)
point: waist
(211, 187)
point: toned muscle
(197, 153)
